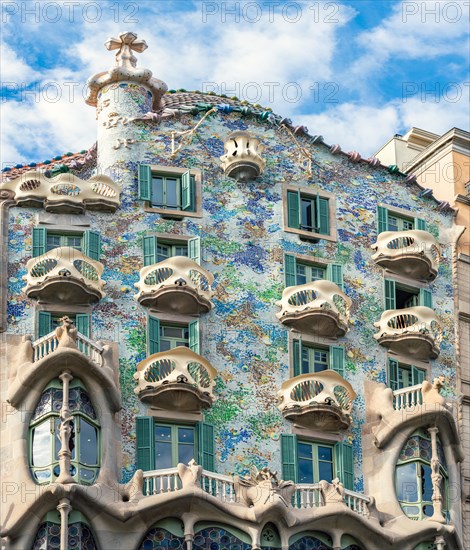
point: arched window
(80, 535)
(312, 540)
(45, 440)
(413, 477)
(213, 535)
(167, 533)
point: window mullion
(174, 445)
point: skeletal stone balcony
(414, 331)
(178, 379)
(414, 254)
(177, 285)
(320, 401)
(320, 308)
(242, 159)
(64, 193)
(64, 275)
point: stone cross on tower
(126, 42)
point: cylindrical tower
(120, 95)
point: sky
(355, 72)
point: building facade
(442, 165)
(220, 332)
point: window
(389, 220)
(163, 445)
(157, 250)
(308, 212)
(298, 272)
(399, 296)
(402, 376)
(163, 336)
(45, 441)
(87, 242)
(47, 322)
(413, 477)
(79, 532)
(309, 358)
(167, 190)
(306, 461)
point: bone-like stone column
(440, 543)
(64, 509)
(436, 479)
(65, 431)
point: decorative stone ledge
(320, 308)
(414, 331)
(414, 254)
(64, 193)
(321, 401)
(64, 274)
(178, 379)
(177, 285)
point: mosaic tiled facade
(243, 244)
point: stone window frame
(312, 191)
(178, 172)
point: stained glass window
(45, 440)
(48, 537)
(413, 477)
(216, 538)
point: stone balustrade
(413, 253)
(65, 193)
(42, 347)
(177, 285)
(230, 491)
(64, 274)
(320, 308)
(178, 379)
(414, 331)
(321, 401)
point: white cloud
(13, 68)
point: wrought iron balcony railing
(321, 401)
(177, 285)
(320, 308)
(414, 254)
(64, 274)
(178, 379)
(414, 331)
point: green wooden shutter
(289, 457)
(44, 323)
(39, 241)
(344, 464)
(390, 294)
(205, 445)
(323, 216)
(421, 224)
(297, 357)
(337, 359)
(145, 182)
(150, 250)
(186, 203)
(293, 209)
(418, 376)
(145, 443)
(425, 297)
(92, 245)
(82, 322)
(194, 343)
(290, 269)
(194, 249)
(334, 273)
(153, 335)
(382, 216)
(393, 374)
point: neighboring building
(288, 310)
(442, 165)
